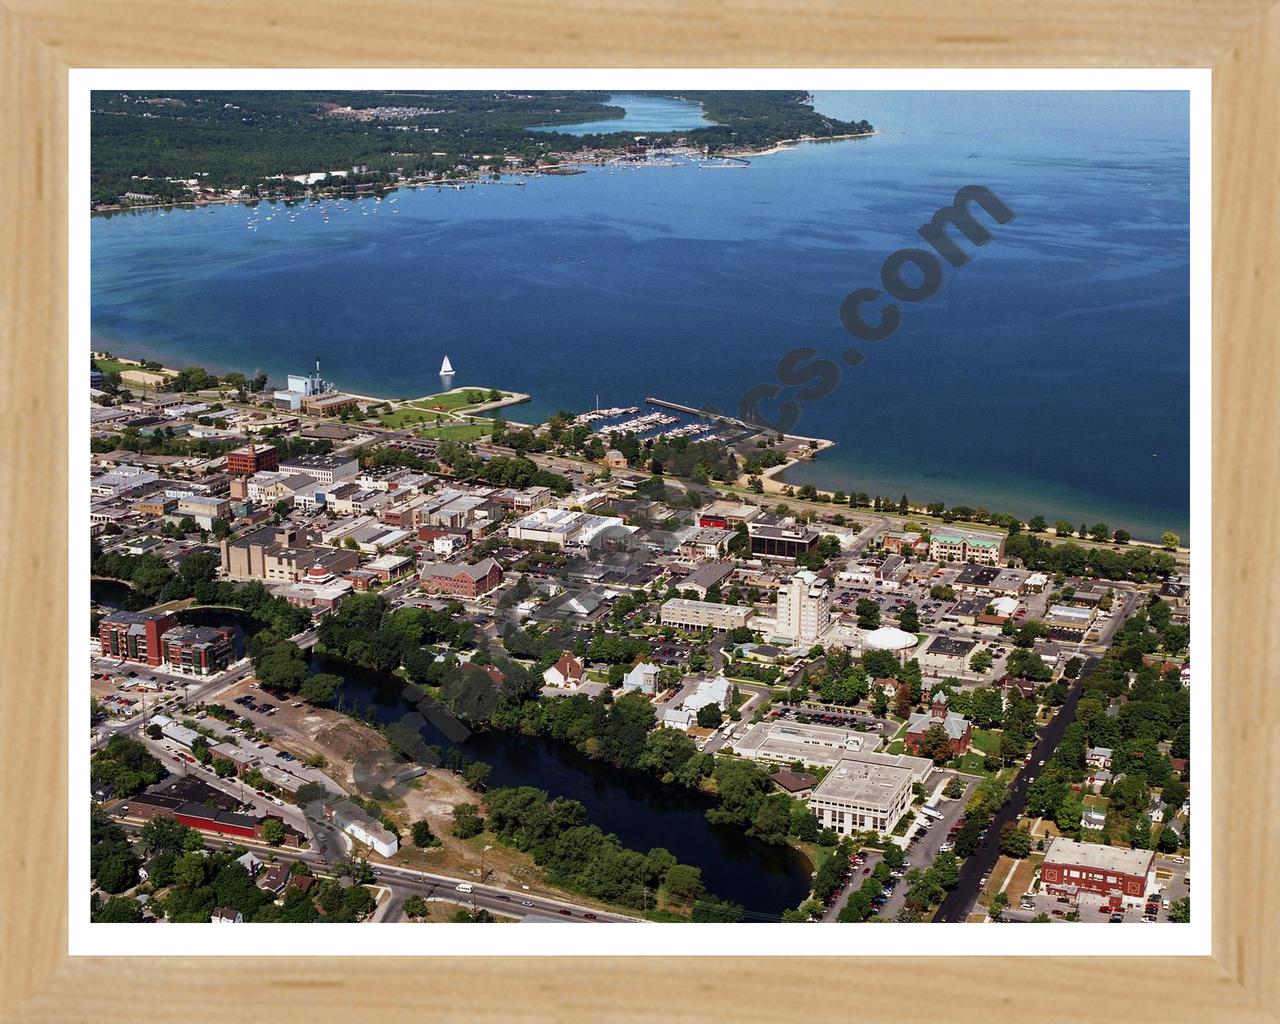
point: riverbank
(345, 741)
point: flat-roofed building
(156, 505)
(700, 543)
(727, 514)
(948, 544)
(948, 654)
(904, 542)
(204, 510)
(782, 742)
(1098, 874)
(281, 554)
(804, 607)
(324, 469)
(976, 578)
(1065, 620)
(330, 404)
(253, 458)
(702, 579)
(318, 590)
(525, 500)
(457, 509)
(135, 636)
(862, 796)
(688, 614)
(121, 481)
(390, 567)
(564, 528)
(782, 541)
(199, 649)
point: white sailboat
(446, 367)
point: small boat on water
(446, 367)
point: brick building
(135, 636)
(462, 580)
(959, 729)
(1104, 876)
(199, 649)
(252, 459)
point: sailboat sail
(446, 366)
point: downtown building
(252, 459)
(460, 579)
(804, 608)
(863, 795)
(948, 544)
(199, 650)
(781, 541)
(1092, 874)
(156, 638)
(686, 614)
(135, 636)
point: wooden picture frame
(1239, 39)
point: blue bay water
(643, 114)
(1050, 374)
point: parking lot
(1171, 886)
(927, 837)
(125, 689)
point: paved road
(203, 690)
(958, 903)
(758, 693)
(406, 881)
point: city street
(958, 903)
(406, 881)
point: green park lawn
(985, 740)
(405, 417)
(452, 401)
(458, 431)
(972, 764)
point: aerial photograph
(598, 507)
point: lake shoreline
(466, 181)
(771, 479)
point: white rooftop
(889, 638)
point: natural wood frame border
(40, 39)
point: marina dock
(706, 414)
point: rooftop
(863, 782)
(1095, 855)
(887, 638)
(950, 646)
